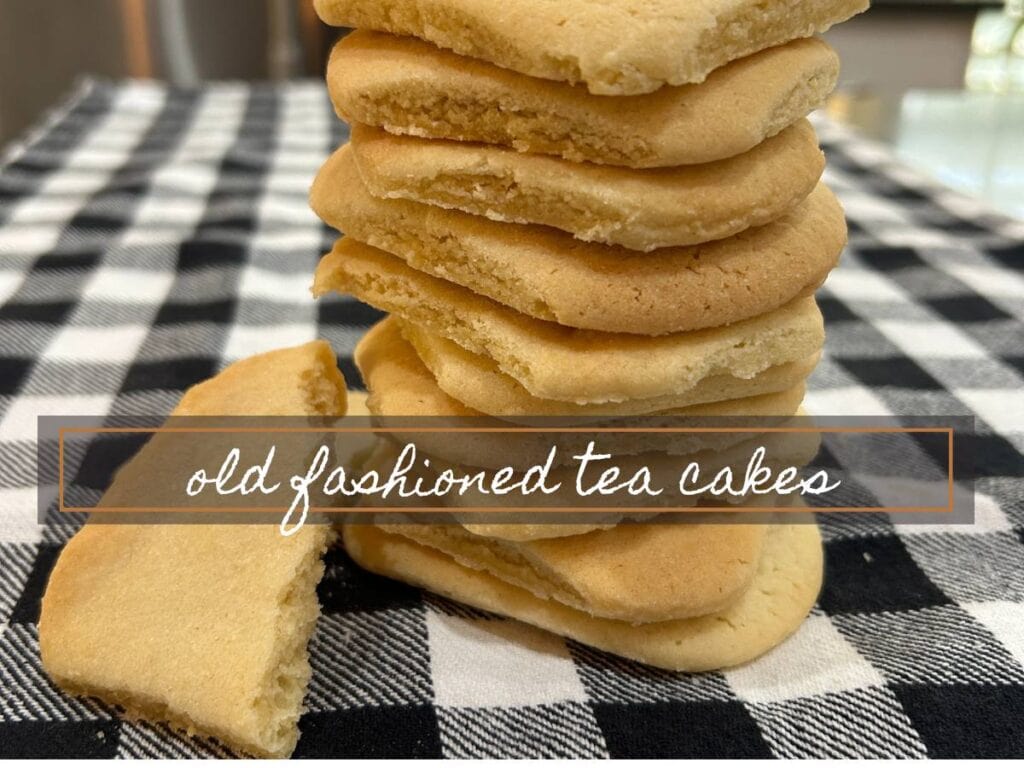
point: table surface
(969, 141)
(150, 236)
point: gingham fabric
(150, 236)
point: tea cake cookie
(638, 209)
(551, 275)
(636, 573)
(382, 459)
(295, 381)
(401, 385)
(204, 627)
(529, 517)
(409, 87)
(783, 450)
(476, 381)
(781, 593)
(559, 363)
(614, 47)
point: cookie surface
(638, 209)
(783, 450)
(410, 87)
(614, 47)
(294, 381)
(551, 275)
(476, 381)
(201, 626)
(383, 457)
(780, 595)
(401, 385)
(634, 573)
(559, 363)
(530, 517)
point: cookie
(401, 385)
(614, 47)
(552, 276)
(382, 459)
(293, 381)
(204, 627)
(518, 517)
(476, 381)
(558, 363)
(641, 210)
(635, 573)
(783, 450)
(410, 87)
(783, 590)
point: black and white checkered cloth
(150, 236)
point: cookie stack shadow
(643, 244)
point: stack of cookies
(598, 210)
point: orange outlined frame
(523, 430)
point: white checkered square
(989, 517)
(1002, 409)
(1005, 620)
(259, 283)
(478, 663)
(246, 340)
(117, 344)
(125, 285)
(21, 420)
(9, 281)
(19, 518)
(987, 279)
(814, 661)
(931, 339)
(857, 284)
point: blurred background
(942, 82)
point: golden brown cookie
(401, 385)
(410, 87)
(641, 210)
(552, 276)
(476, 381)
(204, 627)
(783, 590)
(296, 381)
(563, 505)
(559, 363)
(563, 512)
(635, 573)
(615, 47)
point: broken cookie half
(202, 626)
